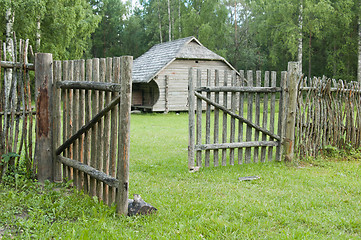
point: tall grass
(305, 200)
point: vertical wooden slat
(265, 115)
(70, 121)
(75, 122)
(199, 120)
(191, 119)
(281, 114)
(65, 125)
(240, 124)
(87, 135)
(100, 150)
(233, 120)
(56, 119)
(224, 123)
(208, 121)
(249, 115)
(114, 129)
(82, 114)
(272, 113)
(94, 162)
(257, 114)
(216, 120)
(106, 136)
(124, 136)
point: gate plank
(102, 72)
(240, 123)
(233, 120)
(249, 115)
(199, 120)
(57, 119)
(265, 115)
(281, 119)
(224, 123)
(87, 134)
(75, 122)
(94, 141)
(208, 121)
(272, 114)
(191, 120)
(216, 120)
(107, 124)
(114, 129)
(257, 114)
(82, 175)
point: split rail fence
(82, 118)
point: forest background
(325, 35)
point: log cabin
(160, 76)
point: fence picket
(249, 115)
(265, 115)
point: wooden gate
(242, 118)
(90, 115)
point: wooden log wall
(244, 128)
(328, 114)
(95, 112)
(17, 128)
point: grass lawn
(318, 199)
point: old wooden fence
(82, 122)
(250, 129)
(328, 113)
(17, 130)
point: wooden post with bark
(44, 135)
(124, 137)
(292, 79)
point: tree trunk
(359, 51)
(300, 23)
(9, 52)
(179, 19)
(38, 35)
(160, 24)
(169, 23)
(309, 55)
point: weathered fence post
(191, 119)
(292, 79)
(44, 136)
(124, 137)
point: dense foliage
(251, 34)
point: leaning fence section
(16, 108)
(244, 127)
(328, 113)
(92, 102)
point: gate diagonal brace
(249, 123)
(87, 126)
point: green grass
(304, 200)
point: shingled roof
(147, 66)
